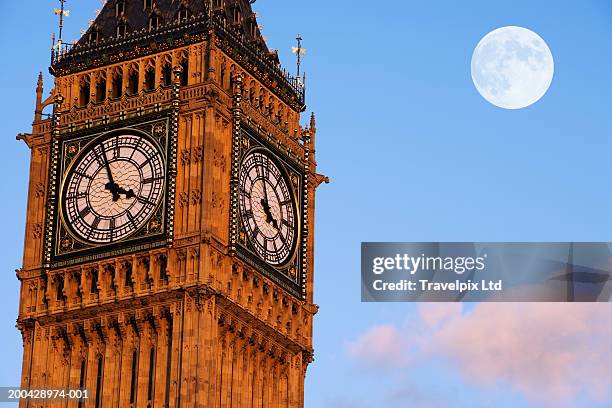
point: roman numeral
(84, 212)
(255, 234)
(286, 202)
(131, 218)
(78, 173)
(135, 148)
(117, 151)
(76, 196)
(145, 201)
(151, 179)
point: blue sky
(414, 154)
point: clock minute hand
(110, 186)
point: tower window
(93, 37)
(218, 3)
(84, 93)
(99, 382)
(148, 4)
(236, 15)
(153, 22)
(167, 74)
(121, 30)
(150, 79)
(60, 289)
(128, 275)
(133, 83)
(94, 282)
(120, 8)
(133, 379)
(163, 269)
(168, 363)
(183, 13)
(118, 86)
(185, 74)
(82, 381)
(151, 373)
(101, 90)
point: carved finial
(178, 72)
(313, 123)
(39, 95)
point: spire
(39, 95)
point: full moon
(512, 67)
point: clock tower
(168, 257)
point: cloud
(382, 347)
(553, 353)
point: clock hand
(128, 193)
(110, 186)
(269, 217)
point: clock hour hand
(128, 193)
(269, 217)
(110, 186)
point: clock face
(268, 208)
(113, 188)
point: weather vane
(61, 12)
(299, 51)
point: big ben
(169, 246)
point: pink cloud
(382, 347)
(549, 351)
(553, 353)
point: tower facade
(168, 257)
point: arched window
(82, 381)
(183, 13)
(185, 73)
(154, 22)
(133, 82)
(84, 92)
(120, 8)
(236, 17)
(150, 79)
(134, 378)
(94, 281)
(151, 373)
(117, 85)
(163, 269)
(93, 37)
(101, 90)
(168, 362)
(121, 30)
(99, 382)
(167, 74)
(60, 289)
(128, 283)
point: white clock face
(268, 209)
(114, 188)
